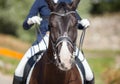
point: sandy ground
(5, 79)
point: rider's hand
(84, 22)
(34, 20)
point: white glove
(84, 22)
(34, 20)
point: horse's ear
(51, 4)
(74, 4)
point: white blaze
(65, 55)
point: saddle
(30, 64)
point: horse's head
(63, 32)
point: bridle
(65, 36)
(62, 38)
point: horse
(57, 65)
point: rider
(40, 7)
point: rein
(81, 44)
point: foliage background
(13, 13)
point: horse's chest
(54, 76)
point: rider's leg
(88, 72)
(31, 51)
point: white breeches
(41, 46)
(88, 72)
(31, 51)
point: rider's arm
(33, 12)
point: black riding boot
(90, 82)
(17, 80)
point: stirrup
(17, 80)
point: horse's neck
(50, 50)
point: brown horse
(57, 65)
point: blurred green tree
(103, 6)
(3, 3)
(7, 26)
(12, 15)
